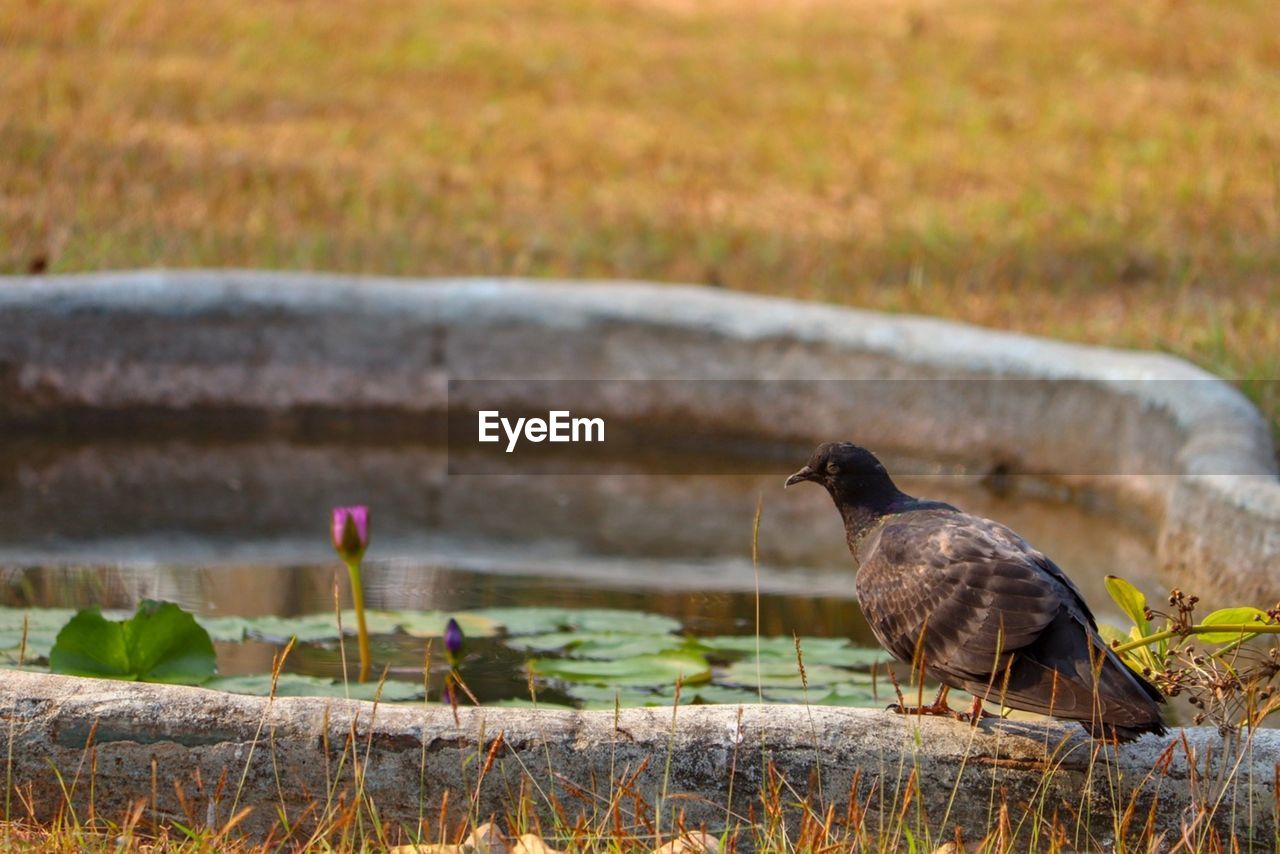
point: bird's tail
(1128, 704)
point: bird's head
(848, 471)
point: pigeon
(974, 606)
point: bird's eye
(832, 468)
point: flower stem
(1201, 629)
(362, 631)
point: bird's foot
(938, 708)
(975, 713)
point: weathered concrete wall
(1149, 429)
(291, 753)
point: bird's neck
(863, 506)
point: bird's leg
(975, 713)
(900, 706)
(938, 707)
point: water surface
(241, 529)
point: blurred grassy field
(1100, 172)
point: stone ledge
(409, 755)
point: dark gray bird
(974, 606)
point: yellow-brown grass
(1101, 172)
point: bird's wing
(952, 587)
(1011, 539)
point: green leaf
(430, 624)
(310, 628)
(834, 651)
(298, 685)
(520, 703)
(43, 625)
(638, 671)
(785, 674)
(1141, 657)
(1130, 600)
(857, 695)
(595, 697)
(1231, 617)
(722, 695)
(225, 629)
(166, 644)
(378, 622)
(599, 645)
(392, 691)
(1110, 633)
(91, 645)
(536, 621)
(159, 643)
(315, 628)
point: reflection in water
(241, 529)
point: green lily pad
(298, 685)
(313, 628)
(638, 671)
(537, 621)
(225, 629)
(307, 629)
(713, 694)
(159, 643)
(832, 651)
(600, 645)
(785, 674)
(43, 625)
(596, 697)
(430, 624)
(518, 703)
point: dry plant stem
(362, 631)
(755, 566)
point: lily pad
(599, 645)
(519, 703)
(637, 671)
(159, 643)
(832, 651)
(43, 625)
(595, 697)
(713, 694)
(537, 621)
(298, 685)
(784, 674)
(313, 628)
(430, 624)
(225, 629)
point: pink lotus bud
(351, 532)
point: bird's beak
(804, 474)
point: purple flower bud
(351, 532)
(453, 637)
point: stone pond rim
(1148, 430)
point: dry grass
(1107, 173)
